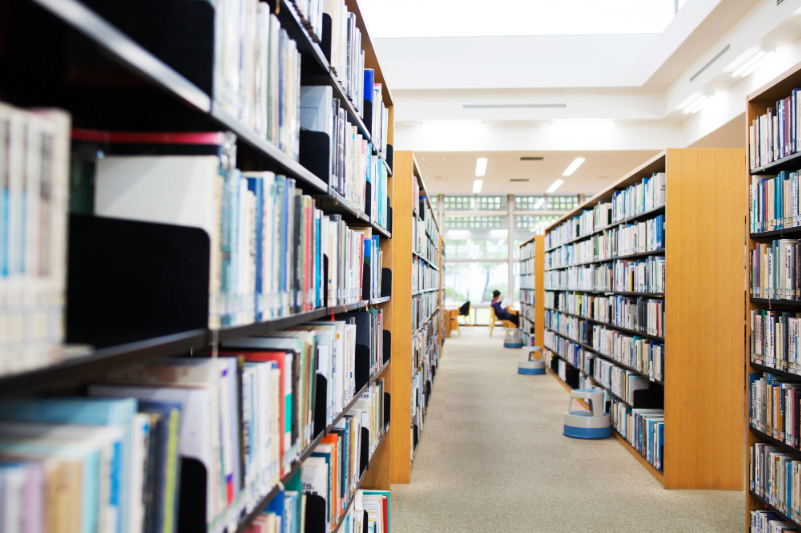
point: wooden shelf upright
(535, 268)
(704, 311)
(407, 434)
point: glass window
(433, 199)
(476, 237)
(561, 203)
(491, 203)
(458, 203)
(529, 203)
(534, 223)
(475, 281)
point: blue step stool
(533, 365)
(592, 424)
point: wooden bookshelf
(151, 94)
(704, 310)
(406, 175)
(757, 103)
(532, 315)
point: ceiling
(454, 172)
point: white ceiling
(454, 172)
(642, 82)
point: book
(33, 239)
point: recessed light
(571, 168)
(481, 166)
(555, 185)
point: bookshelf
(532, 316)
(418, 244)
(770, 305)
(699, 386)
(131, 83)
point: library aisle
(493, 458)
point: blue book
(256, 186)
(369, 86)
(87, 411)
(276, 507)
(227, 233)
(283, 205)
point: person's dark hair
(495, 294)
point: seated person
(500, 312)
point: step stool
(534, 365)
(592, 424)
(512, 339)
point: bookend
(365, 527)
(555, 365)
(325, 42)
(387, 408)
(366, 277)
(427, 392)
(367, 118)
(320, 395)
(130, 280)
(364, 455)
(362, 370)
(389, 216)
(368, 199)
(386, 351)
(325, 276)
(315, 154)
(192, 497)
(179, 33)
(415, 437)
(650, 398)
(572, 376)
(315, 514)
(386, 282)
(389, 154)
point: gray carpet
(492, 458)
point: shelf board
(84, 368)
(417, 293)
(784, 232)
(768, 507)
(265, 147)
(623, 293)
(621, 328)
(382, 300)
(660, 251)
(773, 440)
(432, 265)
(607, 357)
(791, 162)
(660, 477)
(771, 301)
(642, 215)
(776, 371)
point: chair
(464, 311)
(454, 316)
(493, 321)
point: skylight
(479, 18)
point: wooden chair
(454, 317)
(493, 321)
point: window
(481, 222)
(433, 200)
(475, 281)
(561, 203)
(491, 203)
(534, 223)
(476, 237)
(458, 203)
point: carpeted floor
(492, 458)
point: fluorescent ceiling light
(481, 167)
(477, 186)
(696, 105)
(555, 185)
(499, 233)
(573, 166)
(753, 62)
(539, 203)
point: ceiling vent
(512, 106)
(710, 62)
(519, 179)
(531, 158)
